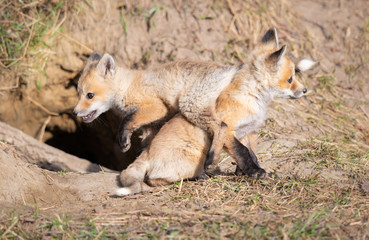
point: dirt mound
(26, 183)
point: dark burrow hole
(95, 142)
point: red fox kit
(242, 105)
(177, 152)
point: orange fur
(287, 70)
(243, 103)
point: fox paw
(124, 144)
(210, 162)
(210, 167)
(203, 176)
(257, 173)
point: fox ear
(95, 56)
(304, 65)
(106, 65)
(277, 56)
(271, 38)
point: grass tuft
(27, 30)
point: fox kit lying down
(242, 105)
(155, 95)
(177, 151)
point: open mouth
(89, 116)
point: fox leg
(124, 134)
(207, 119)
(250, 141)
(216, 146)
(132, 178)
(246, 159)
(199, 106)
(146, 114)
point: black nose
(75, 113)
(304, 90)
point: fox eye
(290, 80)
(90, 95)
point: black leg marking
(209, 156)
(247, 160)
(238, 171)
(254, 158)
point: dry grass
(28, 29)
(314, 206)
(223, 207)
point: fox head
(272, 65)
(95, 88)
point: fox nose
(75, 113)
(304, 90)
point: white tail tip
(305, 64)
(123, 192)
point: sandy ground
(322, 140)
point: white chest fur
(251, 122)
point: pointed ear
(304, 65)
(95, 57)
(106, 65)
(277, 56)
(271, 38)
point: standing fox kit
(267, 74)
